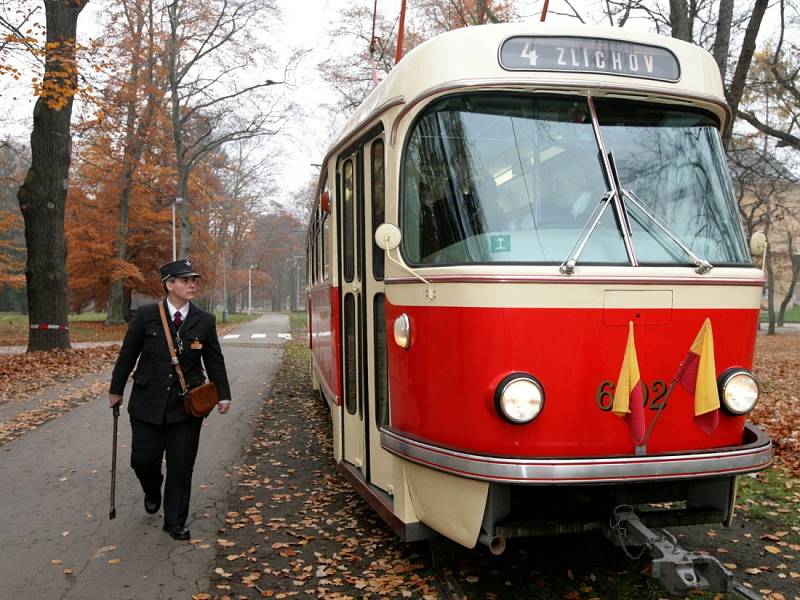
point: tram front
(587, 339)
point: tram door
(380, 471)
(351, 285)
(365, 371)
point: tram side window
(323, 242)
(320, 246)
(378, 204)
(317, 246)
(381, 363)
(315, 264)
(318, 254)
(312, 250)
(326, 249)
(309, 255)
(351, 398)
(348, 217)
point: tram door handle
(357, 287)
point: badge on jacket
(196, 345)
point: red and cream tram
(530, 296)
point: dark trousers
(179, 440)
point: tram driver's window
(491, 177)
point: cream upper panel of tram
(591, 287)
(470, 54)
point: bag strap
(173, 356)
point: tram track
(448, 585)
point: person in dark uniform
(159, 423)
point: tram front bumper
(754, 454)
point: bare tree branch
(787, 138)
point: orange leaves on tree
(12, 250)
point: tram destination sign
(588, 55)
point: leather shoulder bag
(199, 401)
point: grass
(298, 320)
(771, 495)
(87, 316)
(85, 327)
(792, 315)
(7, 319)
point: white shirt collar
(172, 310)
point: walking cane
(112, 513)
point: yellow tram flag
(698, 375)
(629, 395)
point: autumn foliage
(11, 252)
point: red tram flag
(629, 395)
(698, 376)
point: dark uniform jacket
(156, 390)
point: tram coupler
(678, 569)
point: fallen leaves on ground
(294, 526)
(778, 410)
(21, 374)
(30, 419)
(15, 333)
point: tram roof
(469, 57)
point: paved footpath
(57, 540)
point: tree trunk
(722, 37)
(127, 297)
(277, 305)
(42, 197)
(293, 299)
(135, 135)
(679, 20)
(795, 263)
(182, 166)
(739, 80)
(116, 299)
(182, 212)
(770, 294)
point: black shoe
(178, 532)
(152, 503)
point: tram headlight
(519, 398)
(738, 390)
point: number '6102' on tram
(530, 296)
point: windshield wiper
(568, 266)
(612, 195)
(701, 264)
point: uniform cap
(178, 268)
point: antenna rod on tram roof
(400, 33)
(372, 39)
(372, 42)
(544, 11)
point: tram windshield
(519, 178)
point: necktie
(177, 319)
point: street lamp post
(249, 290)
(293, 263)
(177, 200)
(224, 289)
